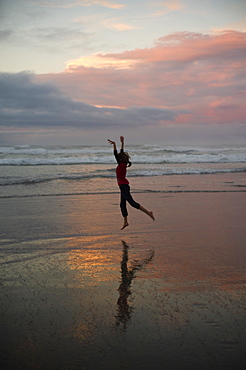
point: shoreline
(116, 192)
(220, 182)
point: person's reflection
(127, 275)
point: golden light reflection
(81, 331)
(93, 261)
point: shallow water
(77, 294)
(74, 305)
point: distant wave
(54, 161)
(135, 159)
(185, 171)
(10, 181)
(141, 154)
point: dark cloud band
(24, 102)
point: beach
(78, 293)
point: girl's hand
(122, 139)
(111, 142)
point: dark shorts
(125, 196)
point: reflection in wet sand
(127, 275)
(68, 304)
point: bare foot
(125, 225)
(152, 216)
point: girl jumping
(123, 161)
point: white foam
(33, 156)
(100, 174)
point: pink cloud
(201, 75)
(187, 46)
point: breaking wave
(34, 156)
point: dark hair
(124, 157)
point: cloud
(190, 72)
(5, 34)
(174, 5)
(115, 24)
(26, 103)
(68, 4)
(99, 62)
(59, 38)
(107, 4)
(185, 80)
(168, 6)
(190, 46)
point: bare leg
(150, 214)
(125, 224)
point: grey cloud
(5, 35)
(27, 24)
(25, 103)
(46, 37)
(152, 114)
(63, 37)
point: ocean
(27, 171)
(78, 292)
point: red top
(121, 174)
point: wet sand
(78, 293)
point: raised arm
(122, 140)
(115, 150)
(112, 143)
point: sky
(81, 71)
